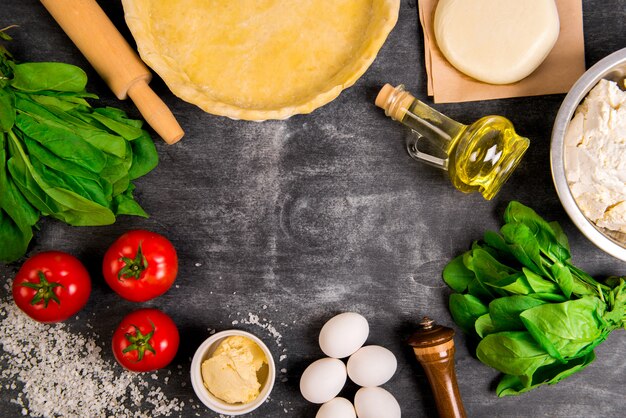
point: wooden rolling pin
(434, 349)
(117, 63)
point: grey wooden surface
(301, 219)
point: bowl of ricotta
(588, 154)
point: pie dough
(259, 59)
(496, 41)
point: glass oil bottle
(478, 158)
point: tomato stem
(133, 267)
(44, 290)
(139, 342)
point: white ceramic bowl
(205, 351)
(613, 68)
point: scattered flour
(56, 372)
(264, 324)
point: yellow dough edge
(183, 88)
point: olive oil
(479, 157)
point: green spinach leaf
(56, 76)
(569, 329)
(513, 352)
(465, 310)
(456, 275)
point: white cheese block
(496, 41)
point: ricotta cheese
(595, 156)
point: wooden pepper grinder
(434, 349)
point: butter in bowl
(233, 372)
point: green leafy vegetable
(538, 317)
(59, 156)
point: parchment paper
(560, 70)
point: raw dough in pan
(259, 59)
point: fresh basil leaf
(58, 77)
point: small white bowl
(205, 351)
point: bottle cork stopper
(395, 100)
(382, 100)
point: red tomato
(51, 286)
(146, 339)
(140, 265)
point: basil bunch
(60, 157)
(537, 316)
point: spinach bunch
(536, 316)
(59, 156)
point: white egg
(336, 408)
(323, 380)
(372, 365)
(343, 334)
(376, 403)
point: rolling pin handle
(155, 112)
(433, 346)
(113, 58)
